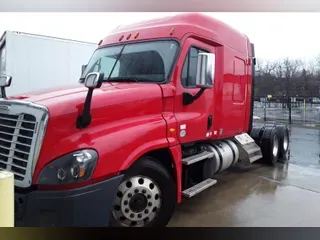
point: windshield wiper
(127, 79)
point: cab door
(194, 121)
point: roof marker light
(121, 38)
(128, 36)
(136, 36)
(172, 31)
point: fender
(142, 150)
(154, 145)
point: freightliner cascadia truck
(161, 107)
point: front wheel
(146, 197)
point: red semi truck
(161, 107)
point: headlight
(71, 168)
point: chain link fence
(293, 110)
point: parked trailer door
(2, 59)
(38, 62)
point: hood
(115, 107)
(69, 99)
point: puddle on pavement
(305, 147)
(263, 197)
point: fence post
(6, 199)
(289, 107)
(304, 110)
(265, 110)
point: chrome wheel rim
(275, 146)
(285, 142)
(137, 203)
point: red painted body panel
(129, 120)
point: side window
(188, 78)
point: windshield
(144, 61)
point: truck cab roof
(177, 27)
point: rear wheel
(270, 145)
(255, 133)
(146, 197)
(283, 133)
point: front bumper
(87, 206)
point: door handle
(209, 122)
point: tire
(162, 196)
(255, 133)
(284, 141)
(270, 145)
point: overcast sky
(276, 35)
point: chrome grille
(22, 128)
(16, 135)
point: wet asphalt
(260, 196)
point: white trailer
(38, 62)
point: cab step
(198, 157)
(198, 188)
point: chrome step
(255, 158)
(196, 158)
(198, 188)
(253, 150)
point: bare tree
(291, 69)
(278, 69)
(288, 77)
(316, 63)
(312, 67)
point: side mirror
(94, 80)
(5, 81)
(205, 70)
(83, 67)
